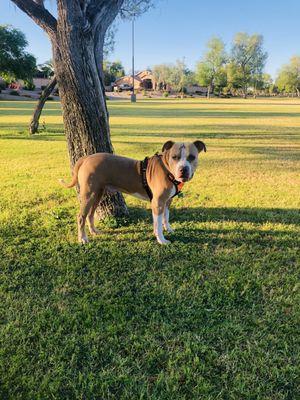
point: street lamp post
(133, 96)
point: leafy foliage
(288, 79)
(247, 60)
(135, 8)
(161, 73)
(112, 70)
(177, 76)
(210, 71)
(47, 68)
(15, 62)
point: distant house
(147, 79)
(196, 89)
(41, 79)
(142, 80)
(40, 83)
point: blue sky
(177, 29)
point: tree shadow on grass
(232, 235)
(226, 214)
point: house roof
(136, 78)
(145, 74)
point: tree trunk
(34, 123)
(77, 37)
(86, 121)
(208, 92)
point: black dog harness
(143, 168)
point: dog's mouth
(183, 178)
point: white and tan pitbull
(104, 171)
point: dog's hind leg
(87, 200)
(91, 215)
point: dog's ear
(200, 146)
(168, 145)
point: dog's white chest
(173, 191)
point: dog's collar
(178, 185)
(171, 177)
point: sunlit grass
(214, 315)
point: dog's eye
(191, 157)
(175, 157)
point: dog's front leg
(158, 208)
(166, 217)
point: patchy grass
(215, 315)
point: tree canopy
(288, 79)
(112, 70)
(248, 59)
(177, 76)
(210, 70)
(15, 62)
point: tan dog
(157, 179)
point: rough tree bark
(77, 38)
(34, 123)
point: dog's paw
(169, 229)
(83, 240)
(163, 241)
(95, 232)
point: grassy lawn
(215, 315)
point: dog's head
(182, 158)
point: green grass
(215, 315)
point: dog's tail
(75, 174)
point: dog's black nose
(184, 170)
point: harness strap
(143, 168)
(178, 185)
(144, 165)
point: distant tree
(263, 83)
(247, 60)
(234, 77)
(210, 70)
(15, 62)
(288, 79)
(190, 78)
(162, 73)
(47, 68)
(174, 76)
(220, 82)
(35, 120)
(112, 70)
(178, 76)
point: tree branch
(134, 8)
(37, 11)
(102, 12)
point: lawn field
(214, 315)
